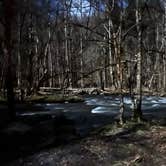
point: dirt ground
(130, 145)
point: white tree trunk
(138, 100)
(164, 57)
(50, 65)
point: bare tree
(9, 16)
(137, 112)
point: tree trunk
(66, 79)
(50, 66)
(101, 79)
(19, 57)
(81, 49)
(120, 66)
(9, 16)
(110, 52)
(138, 101)
(164, 56)
(30, 55)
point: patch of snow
(91, 101)
(154, 101)
(115, 104)
(156, 105)
(48, 104)
(162, 100)
(127, 101)
(28, 114)
(99, 110)
(104, 110)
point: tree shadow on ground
(20, 139)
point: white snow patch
(127, 101)
(156, 105)
(99, 110)
(162, 100)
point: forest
(82, 82)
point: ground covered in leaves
(130, 145)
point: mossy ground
(54, 99)
(47, 99)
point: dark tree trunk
(8, 15)
(101, 79)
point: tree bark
(9, 16)
(120, 66)
(137, 113)
(164, 56)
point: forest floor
(53, 142)
(133, 144)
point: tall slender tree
(9, 16)
(137, 112)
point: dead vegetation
(131, 145)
